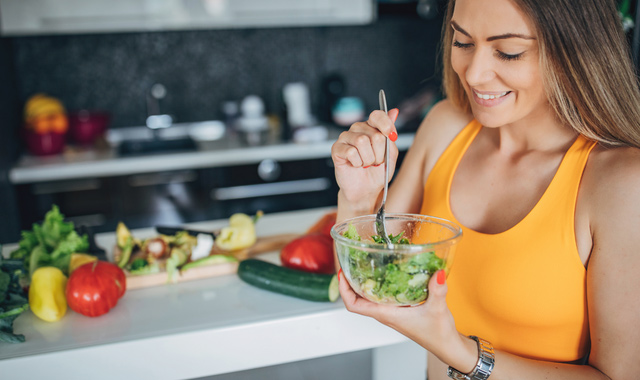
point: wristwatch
(484, 366)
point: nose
(480, 68)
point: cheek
(459, 65)
(529, 79)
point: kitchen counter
(204, 327)
(91, 163)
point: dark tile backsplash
(201, 69)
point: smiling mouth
(491, 96)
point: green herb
(398, 239)
(139, 263)
(145, 269)
(50, 243)
(12, 299)
(401, 279)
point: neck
(542, 134)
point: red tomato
(94, 288)
(310, 253)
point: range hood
(41, 17)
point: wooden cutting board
(263, 244)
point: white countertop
(90, 163)
(193, 329)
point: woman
(535, 154)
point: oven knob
(269, 170)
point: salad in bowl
(399, 273)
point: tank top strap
(558, 203)
(439, 180)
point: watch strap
(484, 366)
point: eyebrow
(457, 28)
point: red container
(86, 126)
(44, 144)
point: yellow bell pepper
(240, 234)
(79, 259)
(46, 294)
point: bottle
(253, 124)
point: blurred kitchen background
(230, 80)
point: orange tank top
(523, 289)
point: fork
(381, 227)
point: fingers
(353, 302)
(384, 122)
(393, 115)
(438, 292)
(364, 144)
(361, 147)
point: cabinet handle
(267, 189)
(163, 178)
(45, 188)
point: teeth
(491, 96)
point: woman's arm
(612, 192)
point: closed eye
(461, 45)
(502, 56)
(509, 57)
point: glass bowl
(396, 275)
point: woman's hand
(431, 324)
(357, 156)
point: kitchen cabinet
(204, 328)
(178, 196)
(38, 17)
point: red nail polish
(393, 136)
(364, 167)
(440, 277)
(339, 274)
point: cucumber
(291, 282)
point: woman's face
(495, 54)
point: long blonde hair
(589, 75)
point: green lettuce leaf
(13, 301)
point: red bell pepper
(310, 253)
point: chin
(491, 119)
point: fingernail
(377, 165)
(364, 167)
(440, 277)
(339, 274)
(393, 136)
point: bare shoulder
(610, 195)
(444, 121)
(612, 180)
(438, 129)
